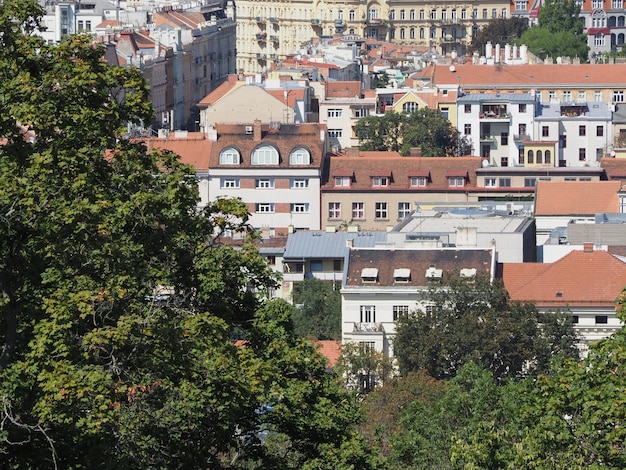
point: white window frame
(418, 181)
(491, 182)
(380, 181)
(264, 183)
(265, 155)
(300, 156)
(299, 183)
(456, 181)
(400, 311)
(404, 210)
(334, 210)
(335, 112)
(229, 183)
(358, 210)
(299, 208)
(368, 313)
(335, 133)
(381, 211)
(265, 208)
(343, 181)
(230, 156)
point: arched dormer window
(230, 156)
(265, 155)
(300, 156)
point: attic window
(433, 273)
(300, 156)
(402, 275)
(230, 156)
(369, 274)
(559, 294)
(468, 272)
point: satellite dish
(452, 69)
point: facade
(383, 284)
(584, 283)
(275, 169)
(64, 18)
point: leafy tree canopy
(498, 31)
(424, 128)
(482, 326)
(319, 309)
(559, 32)
(98, 368)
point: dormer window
(300, 156)
(265, 155)
(468, 272)
(433, 273)
(401, 275)
(380, 181)
(456, 178)
(343, 179)
(369, 275)
(230, 156)
(419, 179)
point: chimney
(256, 130)
(588, 247)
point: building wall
(341, 115)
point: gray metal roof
(313, 244)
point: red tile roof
(527, 76)
(343, 89)
(221, 91)
(401, 169)
(614, 167)
(193, 150)
(330, 349)
(576, 197)
(581, 278)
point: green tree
(363, 368)
(559, 32)
(96, 371)
(319, 309)
(380, 133)
(498, 31)
(472, 320)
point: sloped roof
(401, 169)
(615, 168)
(417, 261)
(330, 349)
(285, 139)
(576, 197)
(343, 89)
(222, 90)
(317, 244)
(526, 76)
(193, 150)
(581, 278)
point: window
(402, 15)
(485, 14)
(299, 183)
(422, 15)
(444, 14)
(521, 108)
(598, 39)
(602, 319)
(380, 181)
(343, 181)
(617, 4)
(412, 33)
(412, 15)
(545, 131)
(392, 15)
(229, 183)
(520, 155)
(358, 210)
(368, 313)
(336, 265)
(229, 156)
(530, 182)
(494, 12)
(503, 13)
(521, 129)
(335, 133)
(599, 131)
(547, 157)
(563, 141)
(265, 155)
(582, 154)
(88, 25)
(351, 15)
(599, 153)
(80, 25)
(381, 210)
(265, 207)
(467, 129)
(400, 311)
(521, 5)
(597, 96)
(271, 260)
(467, 108)
(335, 112)
(334, 210)
(418, 181)
(504, 182)
(582, 130)
(402, 33)
(539, 157)
(456, 181)
(410, 107)
(433, 14)
(404, 210)
(299, 207)
(359, 113)
(300, 156)
(575, 319)
(316, 265)
(422, 33)
(445, 112)
(490, 182)
(504, 161)
(454, 14)
(531, 156)
(373, 14)
(567, 95)
(618, 96)
(463, 14)
(552, 95)
(264, 183)
(504, 138)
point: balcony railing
(259, 19)
(261, 36)
(375, 22)
(368, 328)
(491, 115)
(521, 137)
(316, 21)
(274, 38)
(260, 56)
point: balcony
(451, 39)
(259, 19)
(274, 38)
(485, 138)
(261, 36)
(260, 56)
(274, 56)
(368, 328)
(274, 20)
(315, 22)
(375, 22)
(492, 116)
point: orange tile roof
(581, 278)
(330, 349)
(526, 76)
(193, 150)
(401, 168)
(343, 89)
(222, 90)
(615, 168)
(576, 197)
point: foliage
(573, 418)
(559, 32)
(424, 128)
(98, 368)
(363, 368)
(319, 309)
(383, 407)
(498, 31)
(472, 320)
(380, 80)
